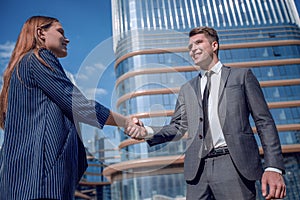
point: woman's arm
(115, 119)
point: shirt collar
(216, 69)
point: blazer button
(200, 136)
(201, 119)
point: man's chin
(196, 62)
(201, 65)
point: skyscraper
(152, 62)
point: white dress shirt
(213, 102)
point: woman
(42, 156)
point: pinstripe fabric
(42, 155)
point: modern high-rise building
(152, 62)
(93, 185)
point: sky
(90, 56)
(87, 25)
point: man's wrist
(150, 133)
(273, 169)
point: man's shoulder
(189, 86)
(236, 69)
(190, 82)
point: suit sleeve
(264, 122)
(57, 86)
(177, 127)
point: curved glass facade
(150, 43)
(132, 18)
(156, 186)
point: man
(222, 158)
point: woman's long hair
(28, 40)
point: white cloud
(100, 66)
(81, 77)
(88, 76)
(92, 92)
(93, 70)
(6, 49)
(70, 76)
(87, 79)
(90, 69)
(100, 91)
(5, 53)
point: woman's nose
(67, 40)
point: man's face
(201, 50)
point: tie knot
(209, 73)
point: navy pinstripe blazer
(42, 155)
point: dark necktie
(207, 142)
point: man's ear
(41, 34)
(215, 45)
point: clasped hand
(135, 129)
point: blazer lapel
(222, 102)
(224, 76)
(196, 85)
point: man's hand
(135, 129)
(275, 182)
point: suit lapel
(196, 85)
(224, 77)
(222, 102)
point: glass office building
(93, 185)
(152, 62)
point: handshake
(135, 129)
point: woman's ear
(40, 34)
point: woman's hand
(135, 128)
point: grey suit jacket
(239, 96)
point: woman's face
(55, 40)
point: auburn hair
(28, 40)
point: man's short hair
(209, 32)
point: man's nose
(194, 47)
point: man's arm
(172, 132)
(268, 135)
(177, 127)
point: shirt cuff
(150, 133)
(272, 169)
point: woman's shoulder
(43, 53)
(40, 60)
(47, 55)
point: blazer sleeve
(264, 122)
(177, 127)
(57, 87)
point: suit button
(201, 119)
(200, 136)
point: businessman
(222, 158)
